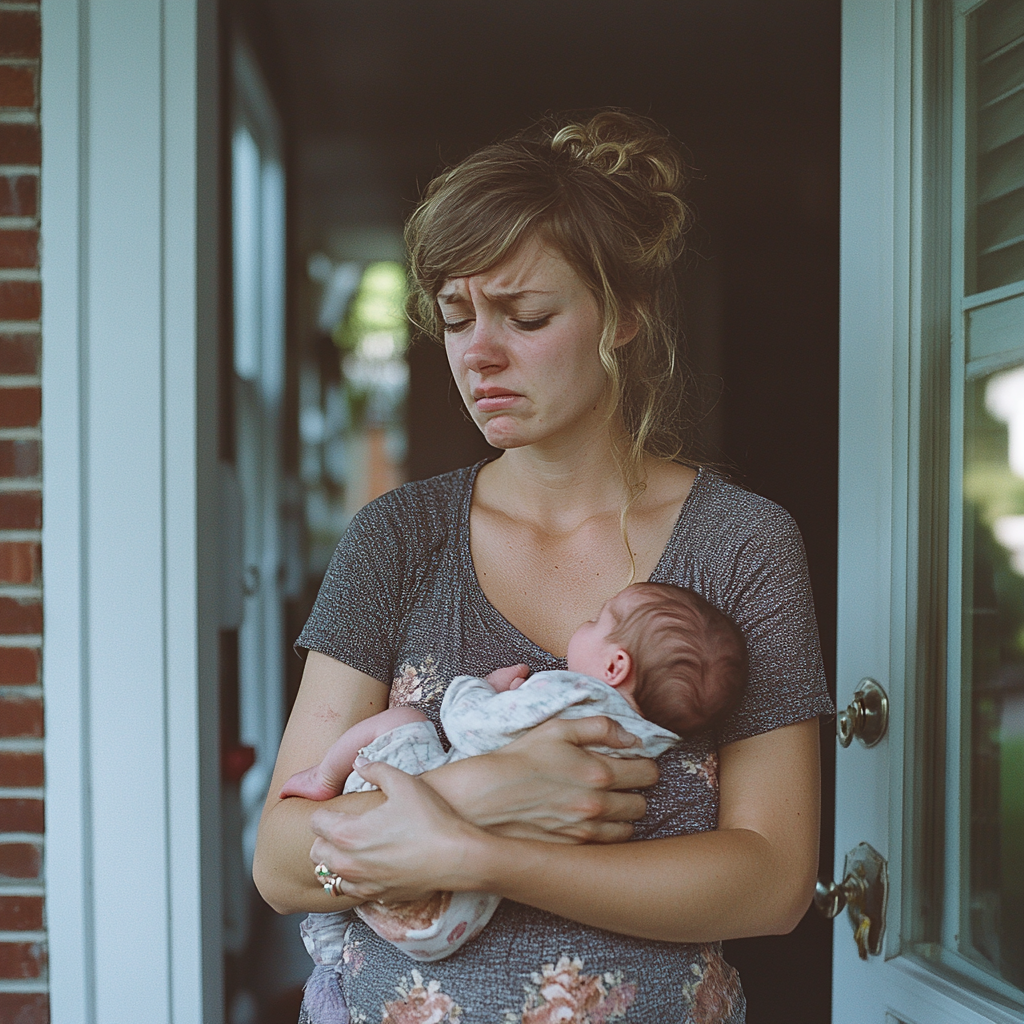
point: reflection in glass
(993, 685)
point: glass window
(992, 884)
(969, 892)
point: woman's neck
(557, 486)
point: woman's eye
(454, 326)
(532, 325)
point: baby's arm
(326, 779)
(511, 678)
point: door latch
(863, 891)
(867, 717)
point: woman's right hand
(547, 785)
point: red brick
(21, 913)
(25, 1007)
(19, 195)
(20, 144)
(19, 248)
(17, 87)
(21, 716)
(19, 561)
(19, 34)
(20, 860)
(20, 407)
(22, 959)
(19, 457)
(19, 353)
(21, 510)
(19, 666)
(19, 300)
(18, 768)
(19, 616)
(20, 815)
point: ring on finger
(328, 879)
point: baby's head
(679, 660)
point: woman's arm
(332, 698)
(753, 876)
(543, 785)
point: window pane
(992, 880)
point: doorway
(373, 99)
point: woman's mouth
(494, 399)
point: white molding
(129, 398)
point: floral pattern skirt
(671, 984)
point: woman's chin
(501, 433)
(504, 442)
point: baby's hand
(311, 784)
(510, 678)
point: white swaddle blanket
(478, 720)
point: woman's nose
(485, 351)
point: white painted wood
(996, 328)
(888, 323)
(868, 324)
(129, 385)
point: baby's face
(590, 651)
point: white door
(931, 531)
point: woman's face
(522, 341)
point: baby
(658, 660)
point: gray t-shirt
(401, 602)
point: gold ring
(322, 871)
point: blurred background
(334, 116)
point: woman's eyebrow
(507, 296)
(495, 294)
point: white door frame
(129, 270)
(885, 381)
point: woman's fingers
(549, 779)
(596, 730)
(629, 772)
(619, 772)
(411, 844)
(623, 807)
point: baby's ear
(619, 668)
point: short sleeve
(357, 612)
(768, 595)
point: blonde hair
(605, 192)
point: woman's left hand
(411, 845)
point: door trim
(129, 270)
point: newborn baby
(658, 660)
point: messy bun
(605, 192)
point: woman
(545, 264)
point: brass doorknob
(867, 717)
(830, 897)
(863, 892)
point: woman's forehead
(535, 268)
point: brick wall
(23, 998)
